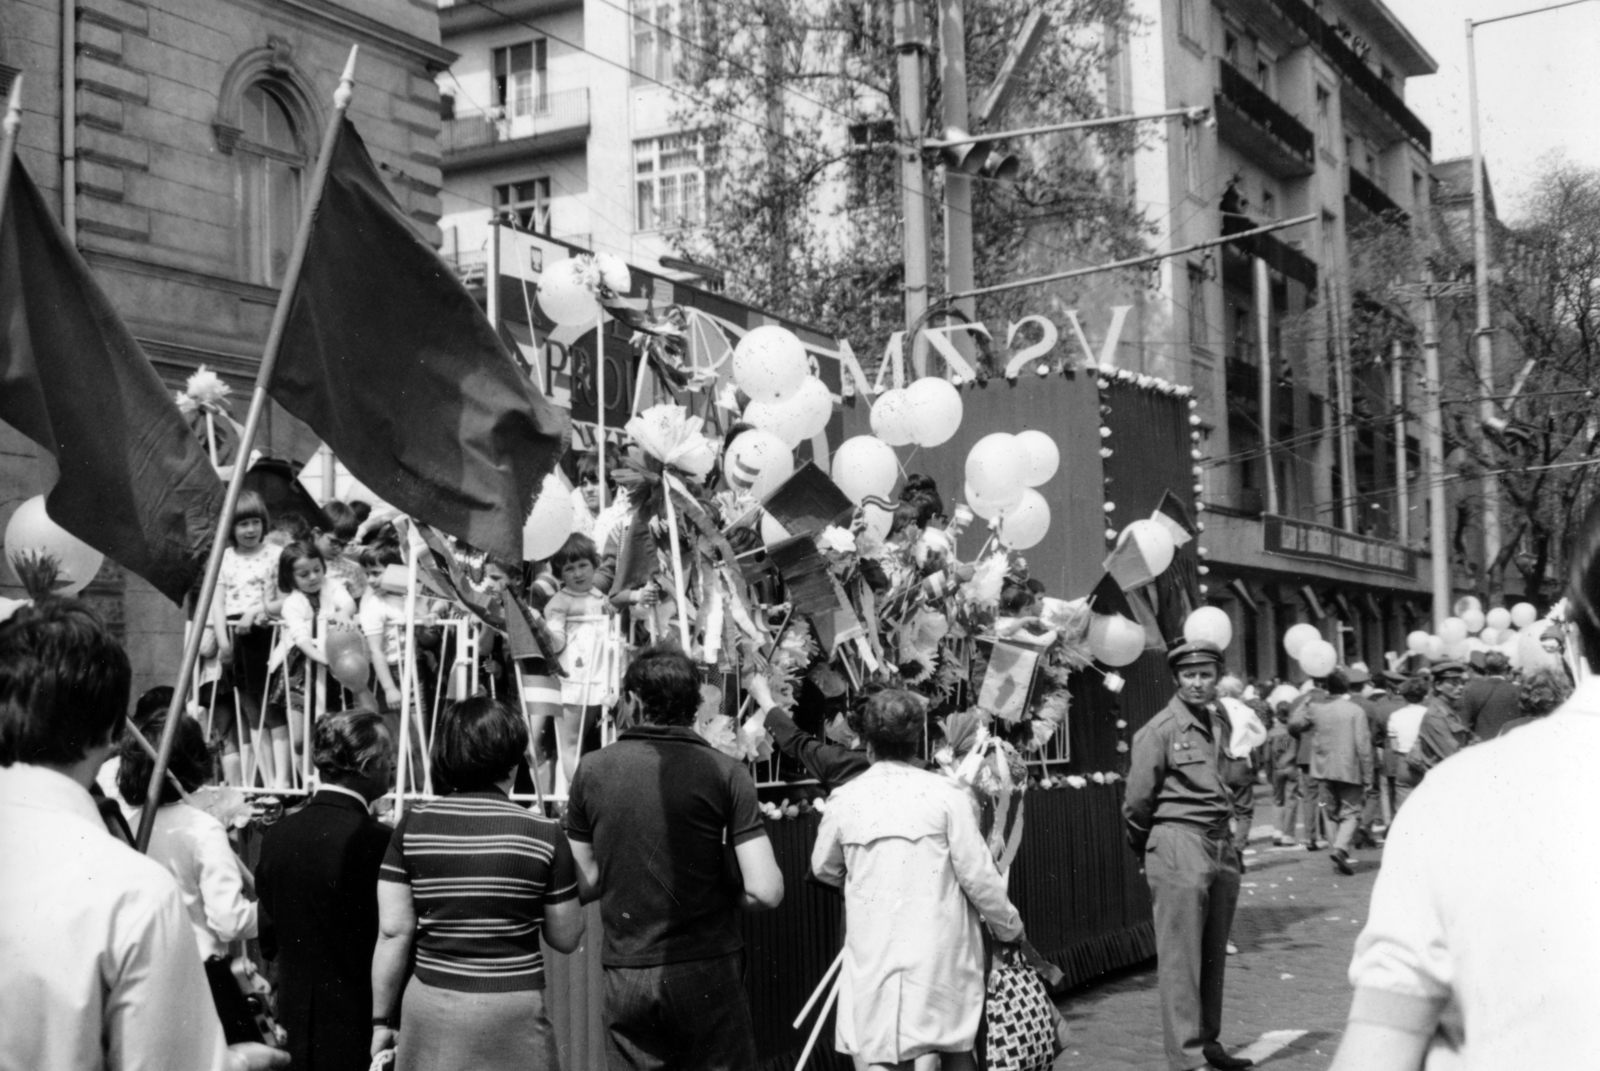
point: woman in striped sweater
(469, 884)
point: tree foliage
(799, 103)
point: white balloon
(1417, 642)
(865, 466)
(1044, 456)
(550, 523)
(1475, 620)
(1452, 630)
(891, 418)
(990, 508)
(1154, 542)
(1466, 604)
(936, 409)
(1298, 636)
(1523, 614)
(1498, 618)
(1318, 658)
(1436, 648)
(878, 520)
(771, 530)
(758, 461)
(1114, 640)
(31, 533)
(566, 292)
(770, 363)
(774, 417)
(1209, 624)
(1026, 523)
(1490, 636)
(813, 405)
(995, 466)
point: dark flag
(388, 358)
(135, 483)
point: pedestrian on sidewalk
(1282, 749)
(1404, 724)
(1310, 791)
(1489, 701)
(1375, 696)
(1513, 949)
(1178, 812)
(1341, 760)
(1441, 733)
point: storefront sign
(1301, 539)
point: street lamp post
(1485, 323)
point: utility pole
(1263, 300)
(1397, 392)
(911, 42)
(1484, 335)
(1433, 454)
(959, 272)
(1349, 518)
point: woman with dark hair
(469, 884)
(918, 879)
(194, 847)
(1490, 965)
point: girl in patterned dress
(240, 618)
(578, 617)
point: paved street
(1286, 992)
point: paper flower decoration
(204, 391)
(987, 578)
(668, 434)
(836, 540)
(1076, 781)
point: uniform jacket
(318, 883)
(1341, 743)
(1315, 695)
(1440, 736)
(1487, 704)
(1175, 773)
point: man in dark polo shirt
(667, 835)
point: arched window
(272, 162)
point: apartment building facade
(176, 161)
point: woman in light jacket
(918, 882)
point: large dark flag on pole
(387, 358)
(134, 482)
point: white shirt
(1404, 725)
(384, 615)
(1512, 937)
(194, 848)
(98, 968)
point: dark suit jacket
(1487, 704)
(318, 883)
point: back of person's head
(1583, 582)
(343, 523)
(578, 547)
(1014, 598)
(152, 706)
(1336, 683)
(292, 555)
(1542, 691)
(63, 684)
(190, 762)
(346, 747)
(378, 555)
(1413, 689)
(251, 506)
(665, 684)
(922, 492)
(1496, 664)
(1230, 687)
(292, 527)
(479, 742)
(892, 724)
(361, 509)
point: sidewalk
(1286, 996)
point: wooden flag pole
(600, 405)
(8, 140)
(258, 404)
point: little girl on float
(317, 605)
(240, 619)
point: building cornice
(261, 295)
(363, 30)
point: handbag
(1021, 1023)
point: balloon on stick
(935, 409)
(1154, 543)
(1114, 640)
(1044, 457)
(1025, 524)
(758, 461)
(988, 508)
(1318, 658)
(550, 523)
(566, 292)
(32, 535)
(1209, 624)
(865, 467)
(1295, 640)
(770, 363)
(891, 418)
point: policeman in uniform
(1177, 811)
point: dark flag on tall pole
(388, 358)
(135, 483)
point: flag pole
(600, 405)
(8, 140)
(258, 404)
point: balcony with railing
(549, 123)
(1252, 121)
(1370, 196)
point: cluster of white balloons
(32, 534)
(569, 288)
(1116, 641)
(771, 366)
(1510, 632)
(1002, 471)
(927, 413)
(1317, 657)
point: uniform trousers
(1310, 806)
(1194, 888)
